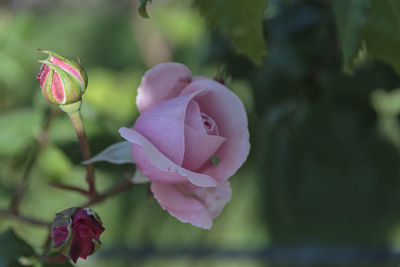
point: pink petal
(229, 114)
(162, 82)
(193, 117)
(65, 66)
(80, 247)
(57, 88)
(43, 74)
(60, 233)
(199, 148)
(163, 126)
(191, 204)
(80, 214)
(156, 166)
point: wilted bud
(76, 233)
(61, 80)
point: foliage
(350, 19)
(13, 248)
(373, 23)
(241, 21)
(142, 8)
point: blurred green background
(323, 172)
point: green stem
(23, 184)
(74, 113)
(22, 218)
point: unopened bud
(61, 80)
(76, 233)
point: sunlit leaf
(240, 20)
(142, 8)
(118, 153)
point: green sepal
(65, 246)
(66, 60)
(73, 87)
(94, 214)
(68, 212)
(142, 8)
(72, 108)
(46, 88)
(84, 78)
(97, 244)
(71, 63)
(64, 218)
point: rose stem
(23, 184)
(123, 185)
(22, 218)
(69, 187)
(74, 113)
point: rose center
(209, 124)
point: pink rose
(184, 123)
(76, 233)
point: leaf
(350, 18)
(382, 32)
(63, 264)
(12, 248)
(214, 160)
(240, 20)
(142, 8)
(139, 178)
(118, 153)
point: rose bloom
(184, 123)
(77, 235)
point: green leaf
(118, 153)
(12, 248)
(382, 32)
(214, 160)
(142, 8)
(240, 20)
(139, 178)
(350, 20)
(63, 264)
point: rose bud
(61, 80)
(190, 138)
(76, 233)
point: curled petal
(193, 117)
(167, 118)
(80, 247)
(162, 82)
(157, 167)
(199, 148)
(195, 205)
